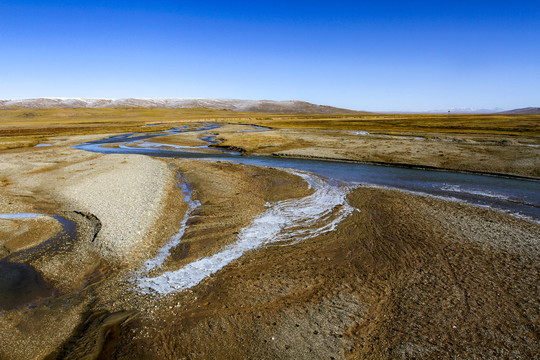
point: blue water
(517, 196)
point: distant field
(20, 128)
(480, 124)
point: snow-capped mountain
(219, 104)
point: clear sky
(365, 55)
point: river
(519, 197)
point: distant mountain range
(527, 110)
(270, 106)
(263, 106)
(465, 111)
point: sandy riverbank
(125, 194)
(138, 206)
(500, 154)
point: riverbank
(116, 202)
(494, 154)
(138, 205)
(405, 276)
(494, 144)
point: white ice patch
(484, 193)
(288, 220)
(412, 138)
(361, 132)
(148, 144)
(42, 145)
(20, 216)
(165, 251)
(255, 128)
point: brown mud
(406, 277)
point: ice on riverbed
(291, 220)
(467, 190)
(165, 251)
(148, 144)
(454, 199)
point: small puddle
(21, 284)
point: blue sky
(373, 55)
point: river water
(519, 197)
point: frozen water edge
(287, 220)
(165, 251)
(462, 189)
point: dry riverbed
(402, 276)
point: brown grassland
(500, 144)
(27, 127)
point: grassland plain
(504, 144)
(406, 276)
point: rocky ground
(404, 276)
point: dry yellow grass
(468, 124)
(263, 142)
(20, 128)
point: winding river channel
(519, 197)
(331, 181)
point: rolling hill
(218, 104)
